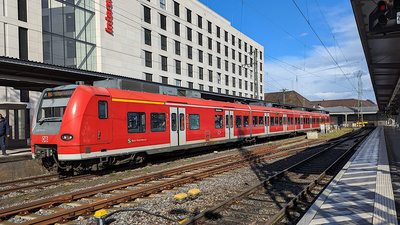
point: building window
(219, 90)
(147, 36)
(201, 86)
(240, 84)
(149, 77)
(200, 37)
(70, 22)
(209, 28)
(210, 60)
(226, 65)
(233, 54)
(226, 51)
(190, 52)
(261, 78)
(261, 68)
(177, 67)
(23, 43)
(148, 59)
(240, 43)
(245, 85)
(240, 57)
(164, 63)
(22, 12)
(200, 56)
(245, 47)
(177, 47)
(189, 15)
(164, 80)
(261, 55)
(209, 43)
(240, 70)
(199, 21)
(218, 62)
(190, 85)
(177, 28)
(218, 78)
(210, 75)
(233, 93)
(218, 31)
(162, 4)
(233, 82)
(200, 73)
(147, 14)
(163, 22)
(176, 9)
(71, 49)
(178, 82)
(226, 80)
(233, 40)
(190, 70)
(189, 33)
(210, 88)
(163, 42)
(226, 36)
(218, 47)
(24, 95)
(233, 68)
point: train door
(285, 122)
(177, 126)
(266, 123)
(228, 124)
(104, 126)
(301, 122)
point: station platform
(362, 192)
(16, 154)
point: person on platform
(4, 131)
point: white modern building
(176, 42)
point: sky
(310, 46)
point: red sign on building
(109, 17)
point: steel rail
(219, 207)
(47, 203)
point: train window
(157, 122)
(245, 121)
(266, 121)
(181, 121)
(173, 122)
(291, 120)
(136, 122)
(276, 121)
(272, 121)
(280, 121)
(238, 121)
(255, 122)
(261, 120)
(194, 121)
(219, 121)
(103, 110)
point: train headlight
(67, 137)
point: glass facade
(69, 33)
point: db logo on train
(45, 139)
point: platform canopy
(380, 37)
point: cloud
(303, 34)
(322, 74)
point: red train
(77, 128)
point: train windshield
(53, 105)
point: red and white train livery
(78, 128)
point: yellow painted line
(136, 101)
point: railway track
(126, 190)
(35, 182)
(285, 196)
